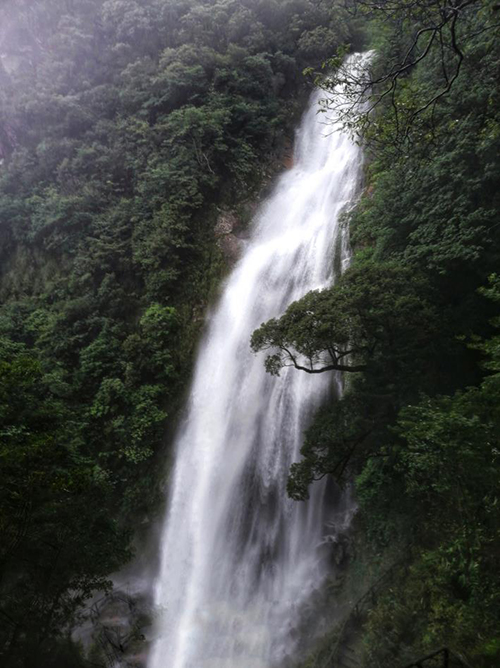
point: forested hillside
(413, 323)
(125, 127)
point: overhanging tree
(371, 311)
(437, 37)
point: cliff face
(226, 230)
(231, 227)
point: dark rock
(226, 229)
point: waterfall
(238, 558)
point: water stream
(238, 557)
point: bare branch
(441, 29)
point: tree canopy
(373, 312)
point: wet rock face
(226, 230)
(227, 222)
(287, 157)
(230, 229)
(121, 625)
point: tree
(371, 313)
(59, 541)
(433, 37)
(336, 444)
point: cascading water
(238, 557)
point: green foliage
(377, 320)
(333, 444)
(436, 210)
(370, 314)
(421, 54)
(417, 427)
(442, 457)
(59, 541)
(124, 127)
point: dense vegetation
(124, 127)
(419, 424)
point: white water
(238, 557)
